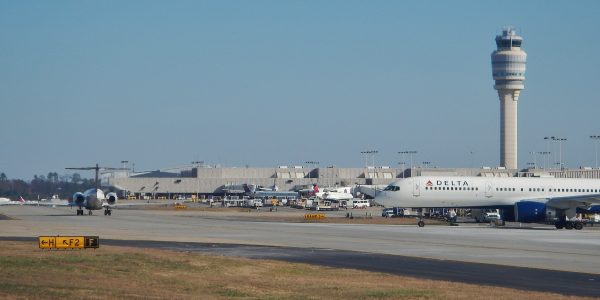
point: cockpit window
(392, 188)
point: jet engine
(78, 198)
(594, 209)
(530, 212)
(111, 198)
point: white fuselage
(336, 193)
(93, 199)
(471, 192)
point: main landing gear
(107, 211)
(568, 225)
(80, 212)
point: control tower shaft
(508, 70)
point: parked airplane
(522, 199)
(94, 199)
(6, 201)
(310, 191)
(335, 193)
(268, 193)
(21, 201)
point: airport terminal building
(205, 181)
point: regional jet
(523, 199)
(94, 199)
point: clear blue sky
(267, 83)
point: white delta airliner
(523, 199)
(94, 199)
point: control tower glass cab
(508, 61)
(508, 71)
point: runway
(534, 254)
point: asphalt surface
(533, 258)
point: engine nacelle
(530, 212)
(111, 198)
(78, 198)
(594, 209)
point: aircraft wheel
(421, 223)
(106, 212)
(89, 212)
(109, 212)
(569, 225)
(578, 226)
(559, 225)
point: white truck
(485, 215)
(359, 203)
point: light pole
(197, 164)
(471, 157)
(366, 153)
(411, 152)
(548, 139)
(533, 153)
(595, 138)
(403, 167)
(544, 155)
(560, 140)
(313, 163)
(374, 152)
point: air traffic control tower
(508, 70)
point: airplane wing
(574, 201)
(50, 203)
(140, 203)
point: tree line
(44, 187)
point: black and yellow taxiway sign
(68, 242)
